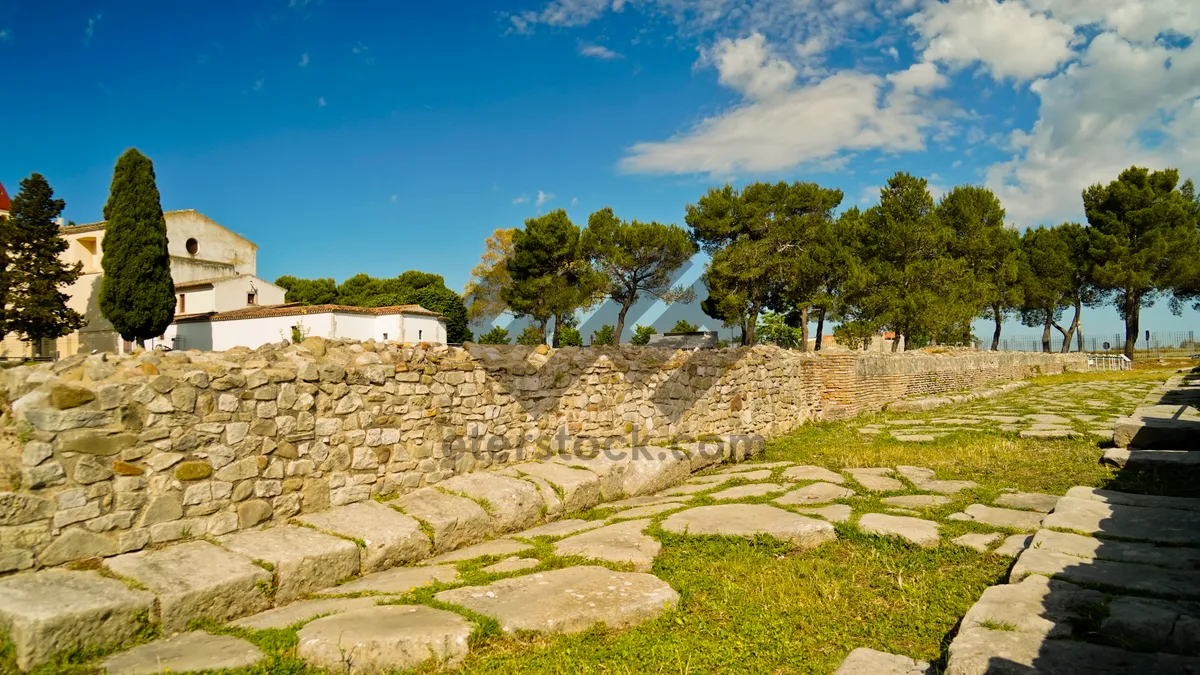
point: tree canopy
(483, 294)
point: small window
(251, 298)
(419, 334)
(385, 337)
(182, 303)
(192, 246)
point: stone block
(306, 610)
(389, 538)
(513, 504)
(455, 521)
(186, 653)
(53, 611)
(385, 638)
(77, 544)
(579, 489)
(197, 580)
(750, 520)
(623, 542)
(304, 560)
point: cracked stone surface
(580, 487)
(512, 565)
(748, 520)
(743, 491)
(644, 511)
(815, 493)
(559, 528)
(812, 473)
(999, 517)
(623, 542)
(456, 521)
(1033, 501)
(500, 547)
(834, 513)
(396, 580)
(185, 653)
(876, 479)
(1129, 577)
(568, 600)
(305, 560)
(1047, 607)
(979, 542)
(916, 501)
(393, 637)
(923, 533)
(1012, 545)
(512, 503)
(304, 610)
(1160, 525)
(1174, 557)
(863, 661)
(391, 537)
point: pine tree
(37, 307)
(136, 293)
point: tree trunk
(999, 318)
(820, 329)
(804, 328)
(1133, 307)
(896, 341)
(621, 322)
(543, 324)
(1074, 327)
(751, 324)
(1046, 332)
(557, 330)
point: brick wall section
(106, 454)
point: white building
(255, 326)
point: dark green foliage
(136, 293)
(361, 290)
(607, 335)
(636, 258)
(495, 336)
(773, 329)
(532, 336)
(1142, 238)
(569, 336)
(37, 307)
(854, 334)
(684, 326)
(641, 335)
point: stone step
(1173, 557)
(1157, 433)
(389, 538)
(512, 503)
(1128, 499)
(385, 638)
(1160, 525)
(185, 653)
(750, 520)
(303, 560)
(455, 521)
(982, 651)
(579, 488)
(864, 661)
(1151, 460)
(396, 580)
(623, 542)
(994, 516)
(1119, 576)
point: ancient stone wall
(105, 454)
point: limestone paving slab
(1127, 499)
(1147, 624)
(994, 516)
(743, 491)
(921, 532)
(456, 521)
(834, 513)
(708, 480)
(645, 511)
(623, 542)
(385, 638)
(53, 611)
(1151, 460)
(647, 475)
(815, 493)
(495, 547)
(981, 651)
(761, 474)
(647, 500)
(609, 467)
(513, 504)
(304, 560)
(977, 541)
(1128, 577)
(396, 580)
(1038, 604)
(875, 479)
(1174, 557)
(685, 489)
(512, 565)
(753, 466)
(1049, 433)
(196, 580)
(1033, 501)
(390, 537)
(1167, 526)
(305, 610)
(863, 661)
(916, 438)
(807, 472)
(559, 528)
(916, 501)
(748, 520)
(185, 653)
(1013, 544)
(568, 600)
(580, 488)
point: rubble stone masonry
(103, 454)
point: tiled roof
(209, 281)
(296, 309)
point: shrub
(531, 337)
(641, 335)
(495, 336)
(684, 326)
(854, 334)
(604, 336)
(569, 336)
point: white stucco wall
(254, 333)
(354, 326)
(215, 244)
(419, 328)
(231, 293)
(197, 301)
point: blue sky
(347, 137)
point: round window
(192, 246)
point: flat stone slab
(580, 488)
(1050, 433)
(980, 651)
(916, 501)
(385, 638)
(305, 560)
(612, 466)
(875, 480)
(1174, 557)
(1151, 460)
(54, 611)
(1039, 605)
(646, 475)
(1128, 577)
(390, 537)
(761, 474)
(815, 493)
(513, 504)
(923, 533)
(1166, 526)
(645, 511)
(456, 521)
(743, 491)
(834, 513)
(302, 611)
(512, 565)
(1146, 624)
(754, 466)
(1156, 433)
(916, 438)
(998, 517)
(708, 480)
(186, 653)
(646, 500)
(748, 520)
(1013, 544)
(559, 528)
(863, 661)
(568, 600)
(622, 543)
(396, 580)
(1127, 499)
(1048, 419)
(687, 489)
(1034, 501)
(495, 547)
(196, 580)
(812, 473)
(979, 542)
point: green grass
(757, 606)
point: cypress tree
(37, 308)
(136, 294)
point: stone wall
(105, 454)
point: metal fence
(1181, 343)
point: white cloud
(748, 67)
(595, 51)
(892, 52)
(574, 201)
(90, 31)
(1135, 20)
(304, 60)
(542, 198)
(1006, 37)
(321, 102)
(521, 200)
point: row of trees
(922, 268)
